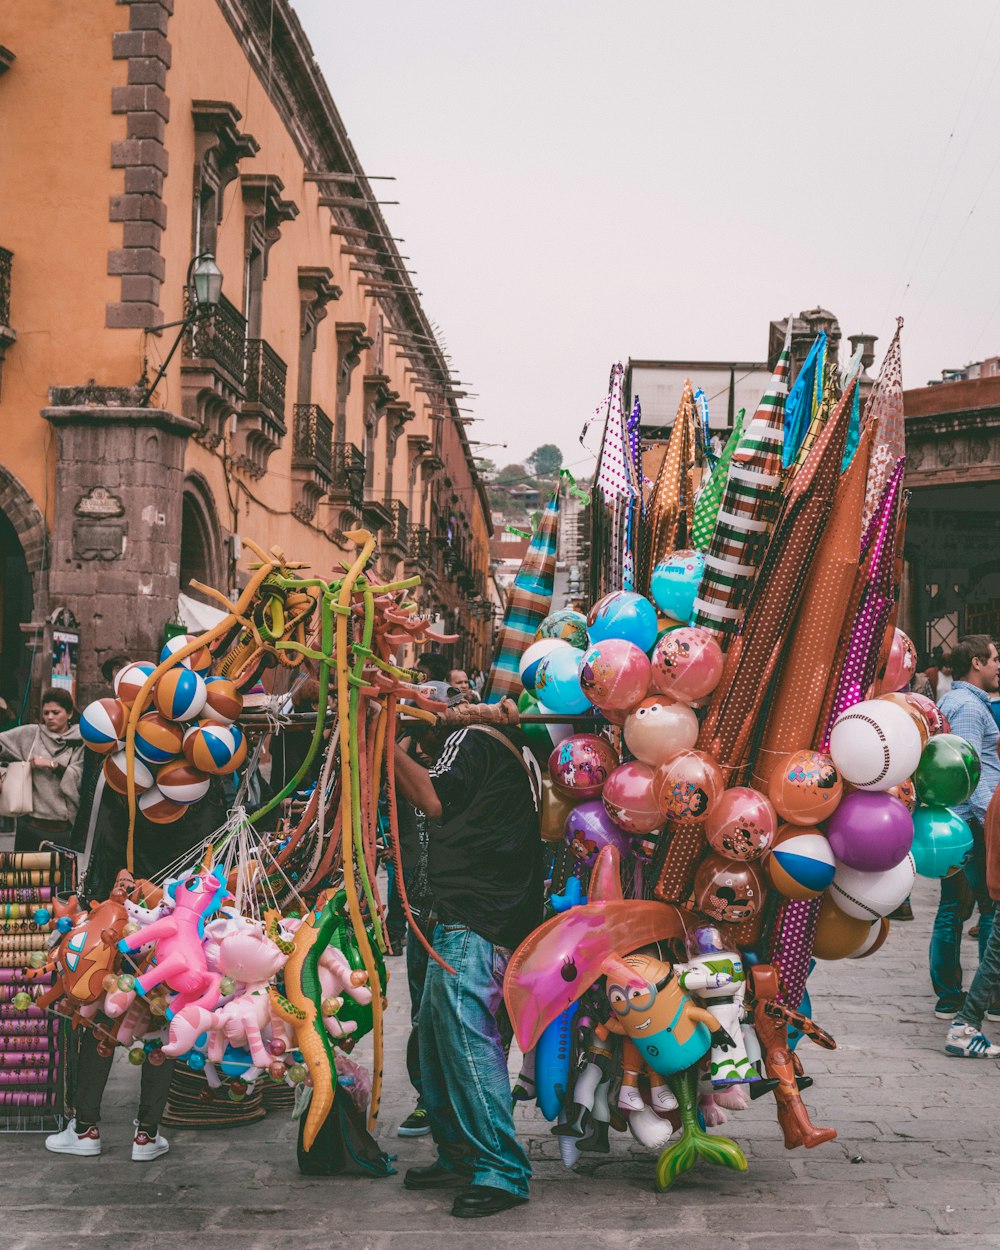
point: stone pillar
(117, 527)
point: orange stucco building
(311, 398)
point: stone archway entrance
(23, 549)
(201, 544)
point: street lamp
(203, 286)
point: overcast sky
(585, 181)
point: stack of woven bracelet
(30, 1050)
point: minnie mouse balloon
(614, 674)
(742, 824)
(628, 797)
(687, 664)
(726, 891)
(658, 728)
(581, 765)
(589, 829)
(688, 786)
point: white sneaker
(146, 1148)
(70, 1142)
(968, 1042)
(993, 1016)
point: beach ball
(875, 745)
(589, 828)
(687, 786)
(566, 624)
(874, 940)
(629, 800)
(941, 841)
(870, 831)
(805, 788)
(555, 808)
(901, 664)
(528, 665)
(869, 895)
(623, 614)
(674, 583)
(180, 694)
(687, 664)
(158, 740)
(557, 681)
(726, 890)
(581, 764)
(948, 772)
(223, 702)
(838, 935)
(936, 719)
(801, 863)
(131, 680)
(657, 728)
(102, 725)
(903, 701)
(181, 783)
(200, 661)
(742, 824)
(614, 674)
(543, 737)
(155, 806)
(210, 747)
(240, 757)
(116, 773)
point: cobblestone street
(915, 1161)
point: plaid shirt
(968, 711)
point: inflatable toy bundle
(752, 754)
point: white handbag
(15, 789)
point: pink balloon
(614, 674)
(727, 890)
(628, 796)
(581, 764)
(687, 664)
(688, 786)
(901, 664)
(742, 824)
(658, 728)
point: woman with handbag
(41, 784)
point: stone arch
(202, 548)
(27, 519)
(23, 565)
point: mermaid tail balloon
(694, 1142)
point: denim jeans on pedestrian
(463, 1067)
(416, 974)
(985, 988)
(946, 936)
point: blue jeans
(416, 974)
(946, 936)
(463, 1068)
(985, 988)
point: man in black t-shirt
(485, 873)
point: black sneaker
(416, 1123)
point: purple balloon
(871, 832)
(589, 829)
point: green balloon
(941, 841)
(948, 772)
(526, 700)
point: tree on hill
(546, 460)
(512, 475)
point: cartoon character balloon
(589, 829)
(629, 799)
(675, 581)
(687, 664)
(688, 786)
(742, 824)
(805, 788)
(614, 674)
(658, 728)
(579, 766)
(901, 664)
(566, 624)
(623, 614)
(727, 891)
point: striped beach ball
(212, 748)
(181, 783)
(102, 725)
(131, 680)
(157, 740)
(223, 702)
(155, 806)
(116, 774)
(180, 694)
(200, 661)
(801, 863)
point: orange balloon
(902, 700)
(687, 786)
(837, 935)
(805, 788)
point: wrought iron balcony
(265, 381)
(219, 339)
(347, 476)
(399, 536)
(6, 262)
(419, 544)
(313, 445)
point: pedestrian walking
(54, 749)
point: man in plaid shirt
(976, 673)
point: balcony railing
(419, 543)
(347, 476)
(400, 525)
(221, 337)
(265, 379)
(313, 446)
(6, 261)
